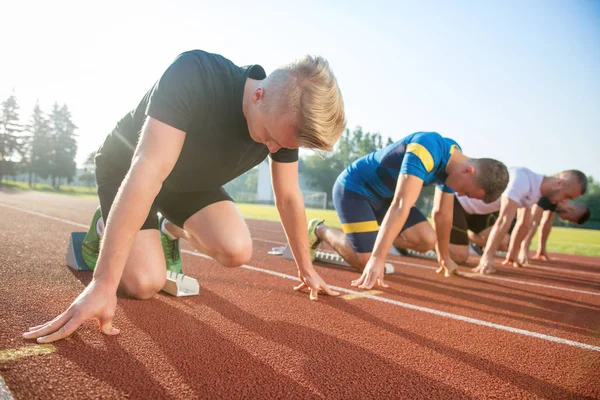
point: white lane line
(392, 261)
(255, 228)
(594, 274)
(498, 278)
(468, 275)
(426, 309)
(66, 221)
(5, 393)
(384, 300)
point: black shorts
(361, 217)
(463, 222)
(177, 207)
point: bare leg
(339, 242)
(145, 272)
(459, 253)
(480, 239)
(218, 230)
(420, 237)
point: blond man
(203, 123)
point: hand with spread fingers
(447, 266)
(315, 284)
(95, 302)
(510, 261)
(523, 258)
(372, 276)
(485, 266)
(542, 255)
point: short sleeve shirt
(201, 94)
(422, 154)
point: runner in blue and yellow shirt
(375, 197)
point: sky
(514, 80)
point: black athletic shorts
(462, 222)
(177, 207)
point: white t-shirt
(524, 187)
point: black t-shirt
(200, 94)
(545, 204)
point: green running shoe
(171, 249)
(313, 240)
(90, 247)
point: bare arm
(546, 227)
(536, 216)
(290, 205)
(155, 156)
(407, 192)
(521, 229)
(508, 209)
(443, 207)
(406, 195)
(153, 160)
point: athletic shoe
(90, 247)
(313, 240)
(402, 251)
(171, 249)
(477, 249)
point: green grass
(562, 240)
(79, 191)
(572, 241)
(269, 213)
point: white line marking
(4, 391)
(280, 231)
(382, 299)
(66, 221)
(268, 241)
(497, 278)
(392, 261)
(594, 274)
(426, 309)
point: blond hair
(308, 89)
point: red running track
(522, 333)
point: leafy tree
(64, 145)
(591, 198)
(321, 172)
(37, 151)
(88, 176)
(9, 135)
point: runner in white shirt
(525, 188)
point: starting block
(177, 285)
(431, 254)
(180, 285)
(329, 257)
(74, 257)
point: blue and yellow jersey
(422, 154)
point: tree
(64, 145)
(9, 139)
(38, 146)
(591, 198)
(321, 172)
(88, 176)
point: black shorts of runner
(177, 207)
(463, 222)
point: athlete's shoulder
(203, 56)
(425, 137)
(451, 142)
